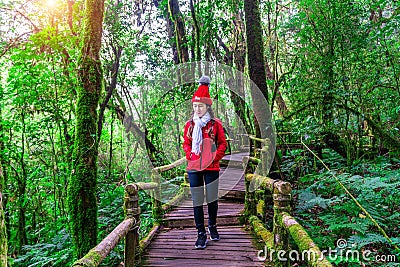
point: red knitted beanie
(202, 95)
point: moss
(82, 202)
(260, 207)
(303, 241)
(92, 259)
(261, 231)
(144, 242)
(156, 200)
(281, 236)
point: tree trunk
(117, 49)
(131, 126)
(196, 31)
(179, 27)
(82, 202)
(239, 56)
(257, 68)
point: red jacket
(210, 155)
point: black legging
(197, 181)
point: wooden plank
(221, 203)
(181, 222)
(215, 252)
(189, 243)
(191, 263)
(200, 256)
(193, 234)
(175, 247)
(234, 211)
(226, 248)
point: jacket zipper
(201, 154)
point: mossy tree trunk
(82, 203)
(255, 55)
(239, 57)
(179, 28)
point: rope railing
(263, 193)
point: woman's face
(199, 108)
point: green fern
(308, 200)
(360, 241)
(328, 213)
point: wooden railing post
(264, 160)
(249, 198)
(156, 197)
(249, 205)
(281, 195)
(260, 203)
(132, 210)
(186, 178)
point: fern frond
(361, 241)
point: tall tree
(82, 202)
(344, 78)
(179, 28)
(255, 56)
(239, 57)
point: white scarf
(197, 134)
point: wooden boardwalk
(174, 244)
(175, 247)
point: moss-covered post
(132, 210)
(315, 258)
(249, 199)
(281, 196)
(264, 160)
(249, 204)
(260, 204)
(156, 197)
(186, 184)
(81, 199)
(186, 178)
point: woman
(204, 145)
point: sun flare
(51, 3)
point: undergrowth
(56, 248)
(328, 213)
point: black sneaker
(201, 240)
(212, 229)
